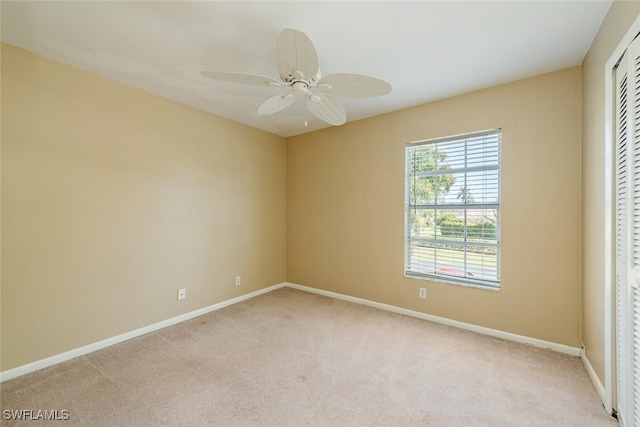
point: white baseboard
(592, 375)
(81, 351)
(561, 348)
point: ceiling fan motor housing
(300, 86)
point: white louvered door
(627, 279)
(622, 253)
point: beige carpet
(290, 358)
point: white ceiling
(426, 50)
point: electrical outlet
(423, 293)
(238, 280)
(182, 294)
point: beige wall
(620, 17)
(113, 198)
(345, 209)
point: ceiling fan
(299, 70)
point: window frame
(409, 175)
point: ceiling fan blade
(297, 57)
(326, 108)
(244, 78)
(353, 86)
(276, 103)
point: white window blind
(452, 206)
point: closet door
(627, 278)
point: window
(452, 207)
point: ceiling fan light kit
(298, 69)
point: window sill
(441, 279)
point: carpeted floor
(290, 358)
